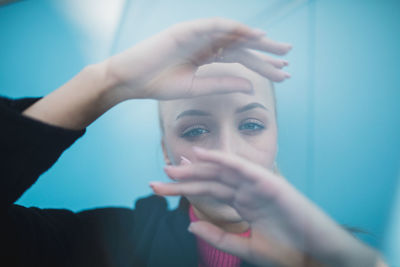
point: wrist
(120, 78)
(79, 102)
(109, 91)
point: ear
(165, 153)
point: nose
(226, 141)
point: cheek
(177, 148)
(260, 149)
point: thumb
(220, 239)
(219, 85)
(262, 252)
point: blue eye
(194, 132)
(251, 127)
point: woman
(236, 187)
(37, 131)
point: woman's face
(235, 123)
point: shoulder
(149, 211)
(122, 234)
(157, 203)
(145, 208)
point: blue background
(339, 114)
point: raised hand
(286, 228)
(164, 66)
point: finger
(212, 189)
(228, 26)
(219, 85)
(196, 170)
(190, 85)
(216, 237)
(270, 185)
(256, 249)
(185, 161)
(266, 66)
(203, 171)
(236, 164)
(263, 44)
(276, 62)
(268, 45)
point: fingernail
(151, 184)
(154, 184)
(185, 161)
(190, 228)
(167, 168)
(287, 75)
(285, 63)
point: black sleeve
(105, 237)
(27, 148)
(59, 237)
(43, 237)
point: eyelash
(189, 132)
(193, 131)
(253, 122)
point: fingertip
(283, 49)
(194, 228)
(169, 172)
(167, 168)
(280, 77)
(154, 184)
(191, 227)
(287, 48)
(154, 187)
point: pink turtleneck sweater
(210, 256)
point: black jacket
(149, 235)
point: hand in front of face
(164, 66)
(286, 228)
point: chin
(215, 210)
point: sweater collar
(173, 244)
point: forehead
(262, 93)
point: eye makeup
(194, 131)
(251, 126)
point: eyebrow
(193, 112)
(250, 106)
(197, 112)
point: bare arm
(76, 104)
(163, 67)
